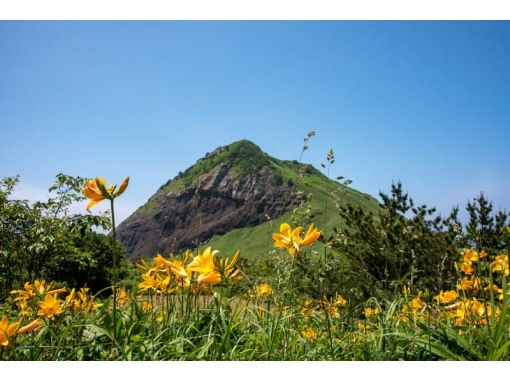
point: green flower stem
(282, 305)
(114, 280)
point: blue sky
(426, 103)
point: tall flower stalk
(96, 191)
(290, 239)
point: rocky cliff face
(183, 214)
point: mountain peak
(244, 143)
(242, 149)
(236, 187)
(243, 157)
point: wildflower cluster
(198, 273)
(40, 298)
(478, 294)
(332, 306)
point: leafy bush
(44, 239)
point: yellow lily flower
(339, 301)
(164, 283)
(417, 304)
(39, 288)
(309, 334)
(371, 312)
(477, 307)
(469, 255)
(162, 262)
(203, 263)
(263, 290)
(291, 239)
(177, 267)
(96, 190)
(446, 297)
(7, 330)
(149, 282)
(311, 236)
(122, 296)
(92, 192)
(24, 294)
(50, 306)
(500, 263)
(466, 284)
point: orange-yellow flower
(459, 312)
(500, 262)
(403, 312)
(7, 331)
(92, 192)
(466, 284)
(163, 283)
(477, 307)
(371, 312)
(149, 282)
(309, 334)
(339, 301)
(122, 296)
(96, 191)
(203, 263)
(311, 236)
(50, 306)
(291, 238)
(39, 288)
(467, 268)
(417, 304)
(263, 290)
(177, 267)
(469, 255)
(446, 297)
(160, 261)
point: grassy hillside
(256, 241)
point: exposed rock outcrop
(182, 216)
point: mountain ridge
(235, 188)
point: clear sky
(427, 103)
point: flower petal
(91, 204)
(285, 229)
(30, 327)
(312, 235)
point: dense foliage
(45, 239)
